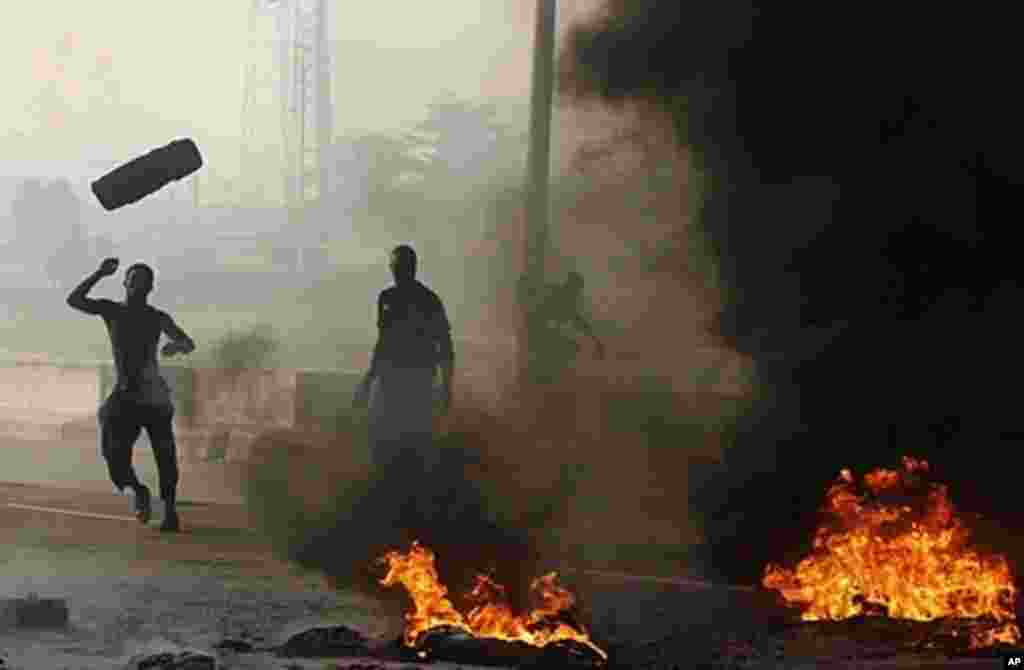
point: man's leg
(160, 428)
(381, 428)
(418, 452)
(119, 428)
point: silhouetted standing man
(141, 397)
(555, 315)
(414, 340)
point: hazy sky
(87, 78)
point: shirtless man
(141, 397)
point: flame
(892, 551)
(491, 617)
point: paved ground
(133, 591)
(78, 464)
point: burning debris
(895, 548)
(33, 612)
(322, 642)
(435, 623)
(186, 660)
(235, 646)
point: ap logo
(1014, 661)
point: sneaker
(143, 505)
(171, 523)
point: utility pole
(301, 95)
(324, 107)
(302, 201)
(537, 201)
(301, 84)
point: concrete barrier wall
(62, 390)
(219, 413)
(244, 397)
(319, 396)
(203, 397)
(216, 399)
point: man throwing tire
(141, 397)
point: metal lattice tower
(298, 84)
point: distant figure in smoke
(141, 396)
(415, 339)
(556, 315)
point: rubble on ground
(186, 660)
(325, 641)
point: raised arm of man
(79, 298)
(584, 325)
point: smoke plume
(483, 507)
(845, 152)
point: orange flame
(906, 557)
(491, 617)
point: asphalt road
(57, 503)
(78, 464)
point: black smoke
(861, 160)
(323, 505)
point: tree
(48, 228)
(67, 261)
(470, 155)
(465, 141)
(375, 174)
(433, 186)
(26, 211)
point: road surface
(132, 590)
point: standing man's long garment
(415, 336)
(402, 416)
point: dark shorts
(121, 420)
